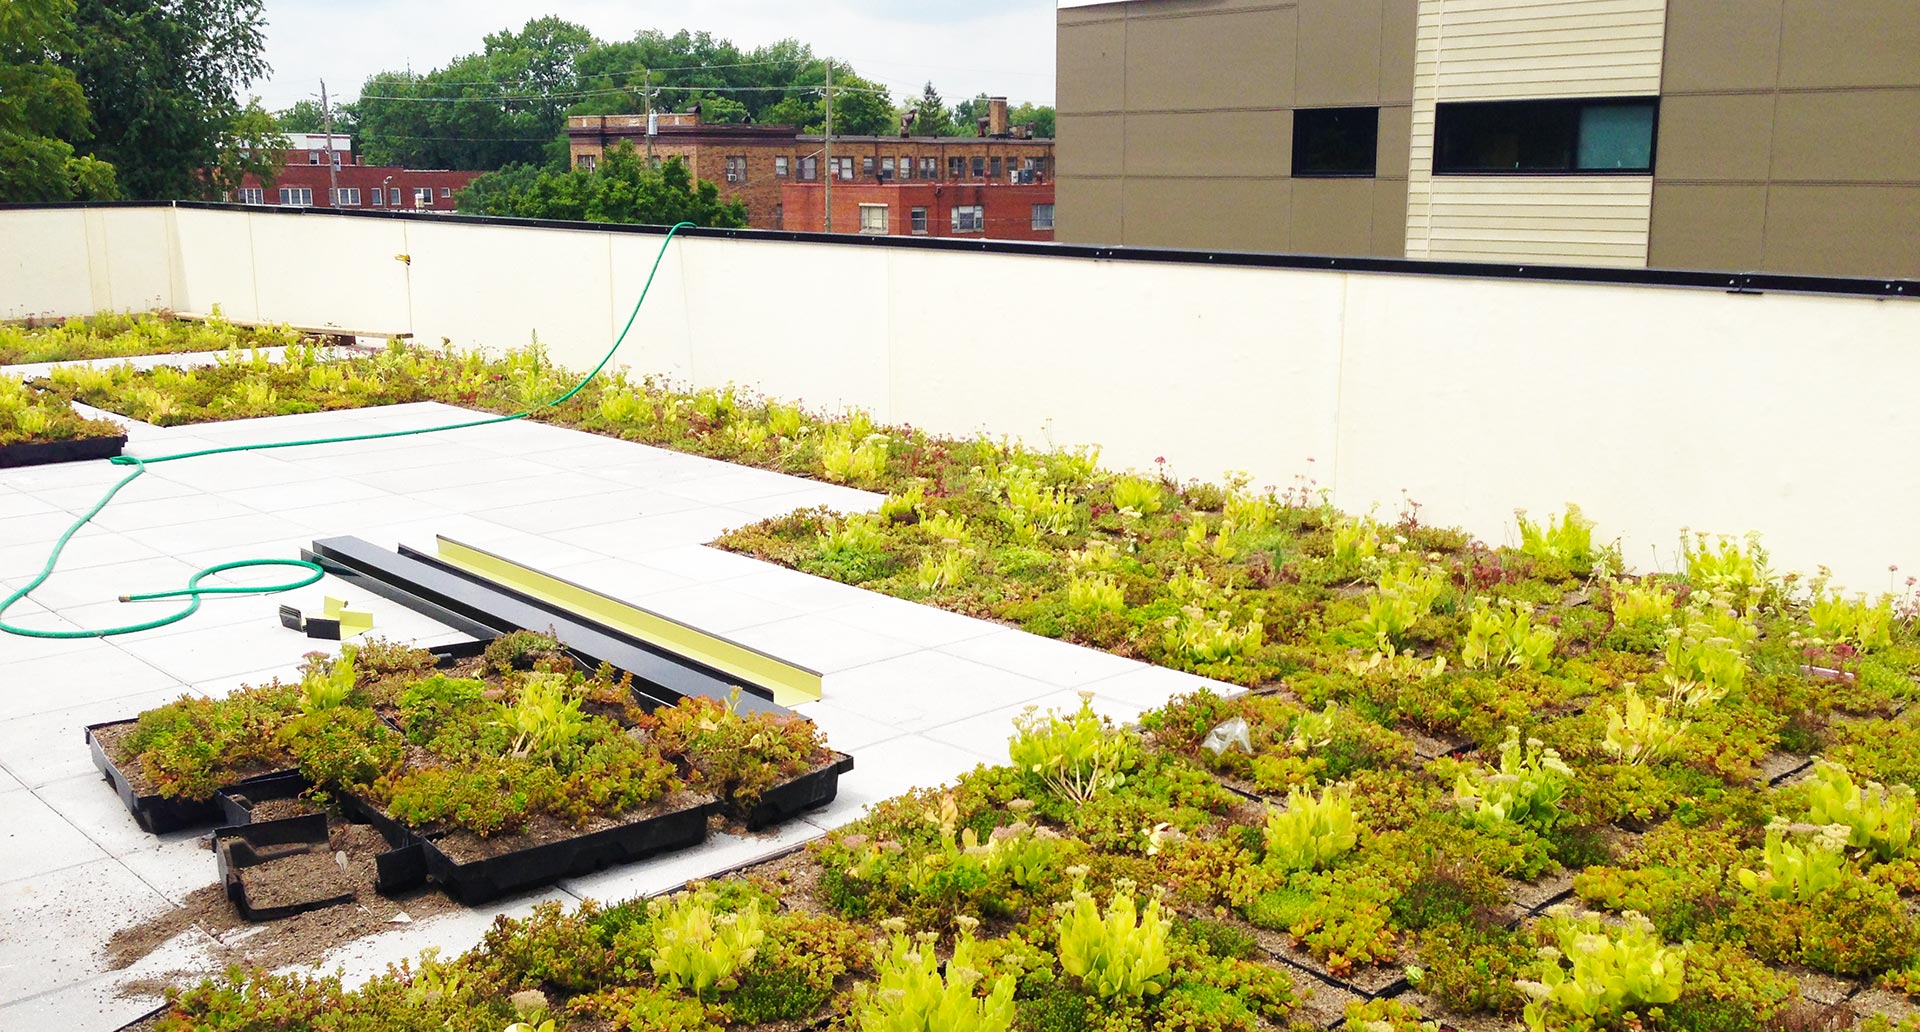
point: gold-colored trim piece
(790, 683)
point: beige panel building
(1752, 135)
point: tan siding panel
(1721, 45)
(1087, 211)
(1559, 218)
(1716, 137)
(1219, 143)
(1709, 226)
(1339, 53)
(1333, 216)
(1857, 135)
(1827, 43)
(1092, 67)
(1089, 145)
(1230, 214)
(1843, 230)
(1243, 60)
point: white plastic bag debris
(1227, 735)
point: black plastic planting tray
(478, 881)
(42, 452)
(418, 856)
(157, 813)
(809, 791)
(240, 849)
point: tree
(488, 110)
(305, 116)
(162, 78)
(43, 110)
(621, 189)
(253, 145)
(930, 114)
(1041, 115)
(967, 115)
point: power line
(621, 90)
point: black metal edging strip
(1698, 279)
(487, 610)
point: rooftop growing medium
(1487, 786)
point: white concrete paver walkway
(918, 695)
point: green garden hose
(311, 571)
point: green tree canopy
(163, 79)
(930, 114)
(621, 189)
(305, 116)
(43, 110)
(1041, 115)
(253, 143)
(508, 104)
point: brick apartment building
(757, 164)
(1002, 211)
(316, 162)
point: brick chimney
(996, 116)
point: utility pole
(651, 128)
(333, 166)
(831, 171)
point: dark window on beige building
(1543, 137)
(956, 168)
(993, 168)
(780, 165)
(809, 169)
(1336, 141)
(979, 166)
(929, 168)
(866, 167)
(737, 168)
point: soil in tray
(463, 847)
(300, 939)
(296, 878)
(275, 809)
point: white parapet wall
(1655, 408)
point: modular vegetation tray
(82, 449)
(488, 767)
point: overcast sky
(966, 48)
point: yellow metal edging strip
(791, 684)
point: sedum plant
(1593, 975)
(330, 685)
(1726, 566)
(1706, 657)
(1641, 604)
(1643, 732)
(546, 718)
(1865, 625)
(945, 570)
(1878, 818)
(1135, 496)
(1565, 539)
(1119, 953)
(1355, 540)
(1798, 873)
(1403, 598)
(1312, 832)
(1078, 756)
(1093, 593)
(1033, 509)
(1526, 790)
(1506, 637)
(847, 457)
(699, 949)
(910, 995)
(1196, 636)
